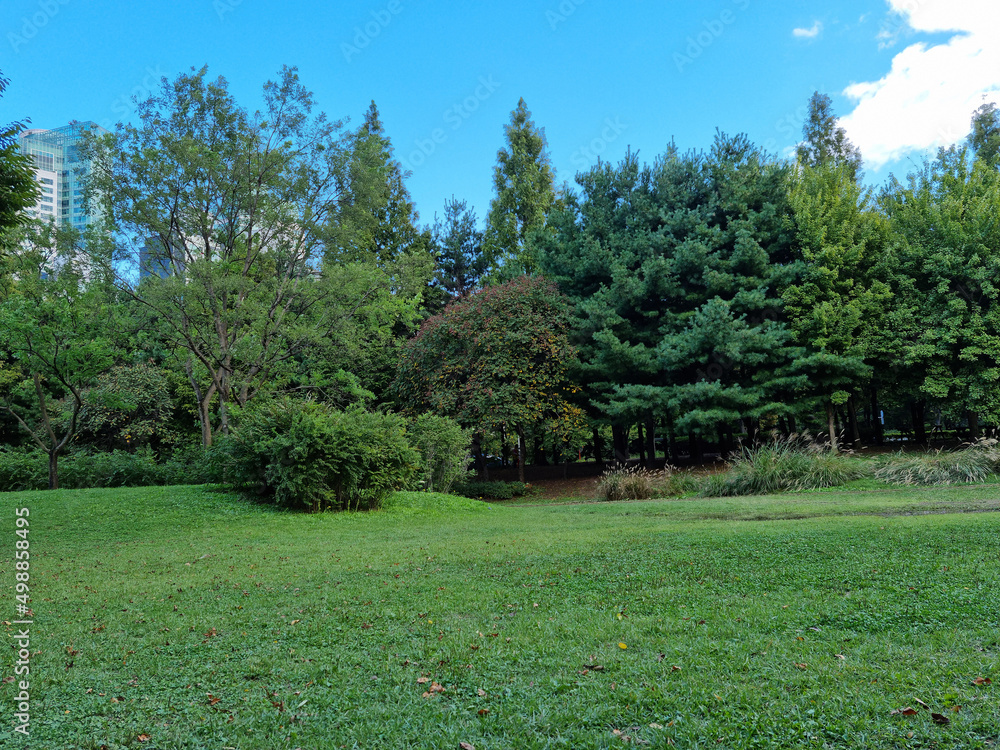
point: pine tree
(523, 181)
(824, 143)
(458, 246)
(375, 218)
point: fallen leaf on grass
(801, 665)
(212, 700)
(144, 738)
(956, 709)
(840, 656)
(594, 667)
(481, 693)
(982, 681)
(466, 746)
(622, 645)
(423, 680)
(483, 711)
(940, 719)
(212, 632)
(922, 704)
(908, 711)
(433, 690)
(675, 668)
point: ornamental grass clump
(785, 464)
(626, 483)
(635, 483)
(974, 463)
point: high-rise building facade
(61, 171)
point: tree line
(667, 307)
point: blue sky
(600, 77)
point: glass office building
(60, 170)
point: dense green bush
(306, 455)
(444, 451)
(110, 469)
(28, 470)
(23, 470)
(493, 490)
(972, 464)
(784, 465)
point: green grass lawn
(201, 621)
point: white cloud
(927, 98)
(810, 33)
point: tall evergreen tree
(825, 143)
(945, 266)
(676, 272)
(523, 181)
(832, 306)
(374, 217)
(458, 247)
(837, 237)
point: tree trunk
(651, 441)
(477, 454)
(973, 425)
(831, 423)
(538, 455)
(619, 435)
(642, 445)
(670, 454)
(792, 428)
(877, 419)
(852, 418)
(598, 447)
(724, 444)
(53, 469)
(520, 453)
(695, 448)
(917, 415)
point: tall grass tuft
(635, 483)
(974, 463)
(782, 465)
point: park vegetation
(259, 306)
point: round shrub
(308, 456)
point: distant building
(61, 172)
